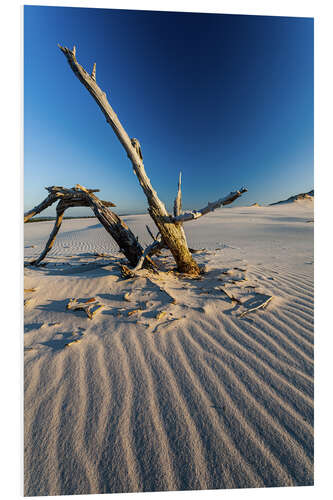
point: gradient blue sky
(226, 99)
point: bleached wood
(150, 250)
(172, 234)
(90, 306)
(112, 119)
(178, 200)
(195, 214)
(93, 73)
(263, 304)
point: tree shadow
(91, 270)
(61, 343)
(53, 306)
(32, 326)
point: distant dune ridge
(175, 383)
(297, 197)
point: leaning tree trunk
(172, 233)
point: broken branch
(150, 233)
(150, 250)
(263, 304)
(178, 200)
(195, 214)
(49, 200)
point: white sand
(199, 398)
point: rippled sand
(195, 398)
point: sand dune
(297, 197)
(170, 387)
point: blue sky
(228, 100)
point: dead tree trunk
(79, 196)
(172, 234)
(170, 228)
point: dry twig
(263, 304)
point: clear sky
(226, 99)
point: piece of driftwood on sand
(170, 228)
(80, 196)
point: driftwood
(155, 247)
(263, 304)
(55, 194)
(80, 196)
(177, 206)
(195, 214)
(90, 306)
(170, 228)
(49, 200)
(172, 234)
(229, 295)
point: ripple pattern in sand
(222, 403)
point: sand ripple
(204, 400)
(221, 403)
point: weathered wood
(150, 250)
(75, 193)
(177, 206)
(195, 214)
(263, 304)
(52, 237)
(47, 202)
(119, 231)
(90, 306)
(81, 196)
(55, 194)
(172, 234)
